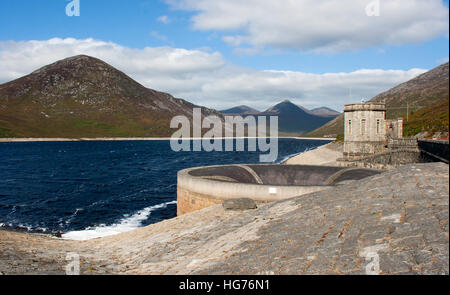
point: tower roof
(366, 106)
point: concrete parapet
(402, 143)
(365, 107)
(386, 160)
(202, 187)
(436, 150)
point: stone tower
(365, 129)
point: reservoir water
(83, 190)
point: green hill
(83, 96)
(431, 119)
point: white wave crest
(296, 154)
(124, 225)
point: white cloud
(164, 19)
(319, 26)
(202, 77)
(19, 58)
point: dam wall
(434, 150)
(201, 187)
(387, 160)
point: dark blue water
(60, 187)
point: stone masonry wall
(386, 160)
(365, 129)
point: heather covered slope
(83, 96)
(426, 90)
(422, 91)
(429, 120)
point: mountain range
(246, 110)
(82, 96)
(292, 119)
(240, 110)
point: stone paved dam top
(399, 216)
(201, 187)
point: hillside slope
(424, 91)
(83, 96)
(429, 121)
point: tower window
(378, 126)
(349, 127)
(363, 126)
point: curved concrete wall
(202, 187)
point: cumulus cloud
(319, 26)
(19, 58)
(205, 78)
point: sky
(223, 53)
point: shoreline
(62, 139)
(324, 155)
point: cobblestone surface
(398, 218)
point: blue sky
(192, 26)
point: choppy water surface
(91, 189)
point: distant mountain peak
(325, 111)
(67, 62)
(245, 107)
(292, 118)
(285, 105)
(79, 57)
(295, 119)
(241, 110)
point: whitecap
(69, 220)
(126, 224)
